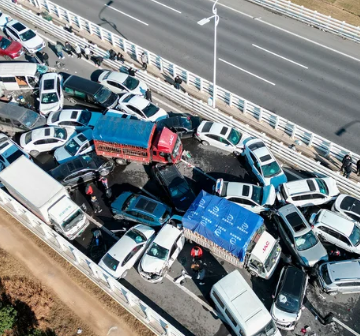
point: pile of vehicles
(230, 223)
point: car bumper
(150, 277)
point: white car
(251, 197)
(121, 114)
(44, 139)
(263, 164)
(119, 82)
(347, 206)
(9, 151)
(77, 119)
(80, 144)
(142, 108)
(308, 192)
(31, 41)
(161, 254)
(127, 251)
(4, 19)
(221, 136)
(51, 94)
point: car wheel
(34, 153)
(104, 172)
(121, 161)
(8, 58)
(124, 275)
(253, 274)
(119, 217)
(205, 143)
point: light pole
(201, 23)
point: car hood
(61, 155)
(34, 42)
(331, 184)
(151, 264)
(14, 48)
(313, 255)
(141, 89)
(47, 108)
(269, 195)
(117, 205)
(161, 114)
(282, 316)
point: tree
(8, 316)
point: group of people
(346, 167)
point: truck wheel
(121, 161)
(205, 143)
(34, 153)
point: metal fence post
(201, 84)
(293, 133)
(276, 126)
(161, 64)
(187, 76)
(260, 114)
(230, 99)
(311, 139)
(101, 34)
(245, 107)
(174, 70)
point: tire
(104, 172)
(253, 274)
(121, 162)
(205, 143)
(34, 153)
(8, 58)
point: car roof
(118, 76)
(167, 236)
(291, 281)
(293, 216)
(139, 102)
(17, 26)
(239, 189)
(216, 128)
(301, 186)
(70, 114)
(145, 204)
(349, 203)
(335, 221)
(85, 85)
(347, 269)
(41, 133)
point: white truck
(44, 197)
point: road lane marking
(282, 57)
(161, 4)
(46, 38)
(131, 17)
(248, 72)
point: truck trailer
(44, 197)
(232, 233)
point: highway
(305, 75)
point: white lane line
(248, 72)
(168, 105)
(131, 17)
(161, 4)
(282, 57)
(308, 40)
(46, 38)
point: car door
(132, 215)
(135, 111)
(226, 145)
(116, 87)
(213, 140)
(12, 34)
(334, 237)
(255, 167)
(53, 143)
(286, 235)
(40, 145)
(248, 204)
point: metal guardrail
(156, 323)
(242, 105)
(284, 153)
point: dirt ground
(55, 295)
(343, 10)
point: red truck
(128, 140)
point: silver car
(340, 276)
(298, 236)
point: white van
(241, 308)
(18, 76)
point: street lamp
(204, 22)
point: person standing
(346, 167)
(120, 57)
(358, 167)
(68, 48)
(98, 60)
(45, 58)
(112, 55)
(144, 60)
(148, 95)
(178, 82)
(78, 51)
(87, 52)
(131, 72)
(95, 204)
(59, 50)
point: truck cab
(264, 255)
(167, 147)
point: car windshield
(4, 43)
(49, 98)
(137, 236)
(234, 136)
(72, 147)
(103, 95)
(28, 35)
(29, 118)
(355, 236)
(150, 110)
(85, 117)
(158, 251)
(271, 169)
(306, 241)
(288, 303)
(60, 133)
(269, 330)
(257, 194)
(28, 137)
(55, 117)
(110, 262)
(131, 83)
(128, 202)
(322, 186)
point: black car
(175, 186)
(288, 297)
(184, 125)
(82, 169)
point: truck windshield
(176, 148)
(71, 222)
(273, 257)
(268, 330)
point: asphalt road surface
(267, 59)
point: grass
(343, 10)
